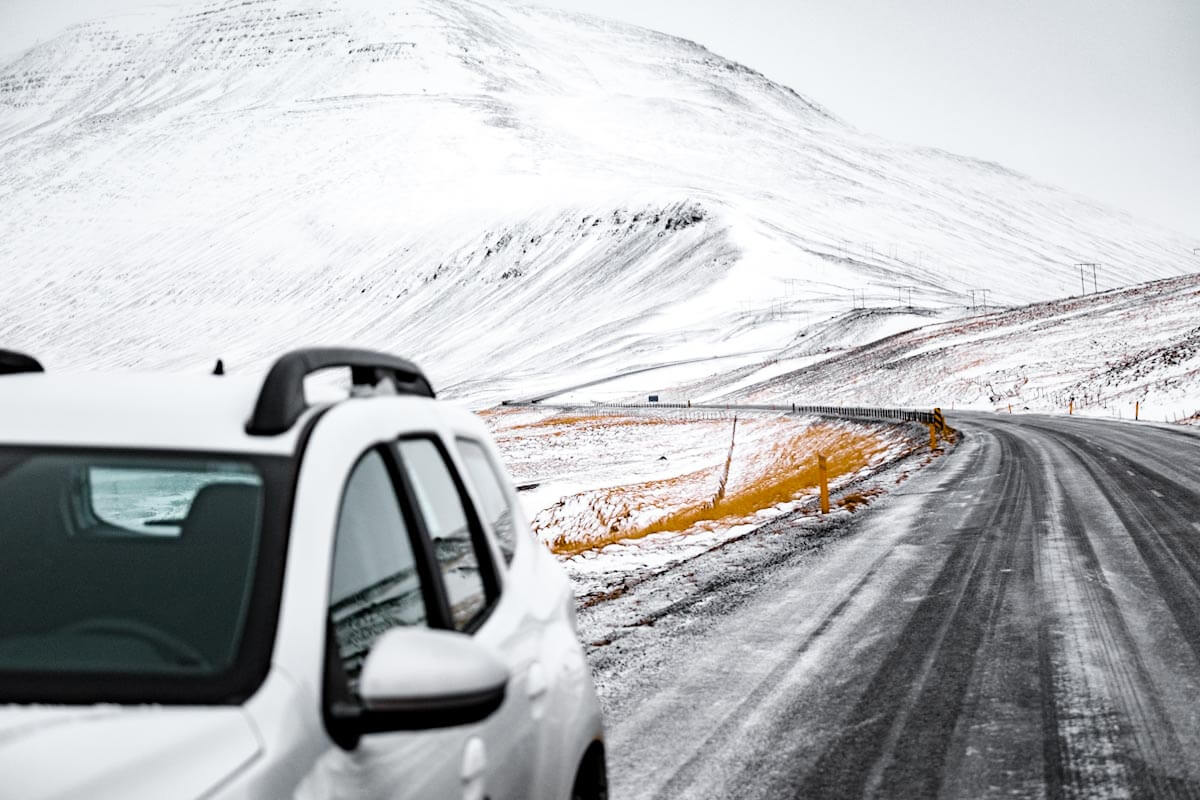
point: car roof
(130, 410)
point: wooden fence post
(823, 469)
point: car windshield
(130, 565)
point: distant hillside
(1102, 353)
(499, 191)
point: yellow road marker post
(823, 470)
(933, 440)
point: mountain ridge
(270, 159)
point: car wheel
(591, 781)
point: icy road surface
(1021, 618)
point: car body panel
(123, 753)
(276, 744)
(179, 412)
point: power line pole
(1082, 284)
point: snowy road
(1021, 618)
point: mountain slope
(1100, 355)
(236, 178)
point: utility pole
(1082, 284)
(972, 299)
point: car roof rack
(14, 363)
(281, 400)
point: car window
(489, 489)
(442, 509)
(158, 584)
(152, 500)
(375, 585)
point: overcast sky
(1101, 97)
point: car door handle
(474, 765)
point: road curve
(1021, 619)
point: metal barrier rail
(836, 412)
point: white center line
(1156, 492)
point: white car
(210, 588)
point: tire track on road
(1028, 628)
(686, 773)
(1115, 734)
(1161, 531)
(897, 737)
(767, 712)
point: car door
(409, 550)
(381, 577)
(471, 581)
(517, 624)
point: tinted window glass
(375, 585)
(87, 586)
(441, 507)
(141, 499)
(490, 490)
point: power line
(1082, 284)
(976, 306)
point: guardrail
(835, 412)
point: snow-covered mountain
(1121, 353)
(500, 191)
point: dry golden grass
(853, 500)
(726, 493)
(608, 515)
(792, 471)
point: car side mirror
(417, 678)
